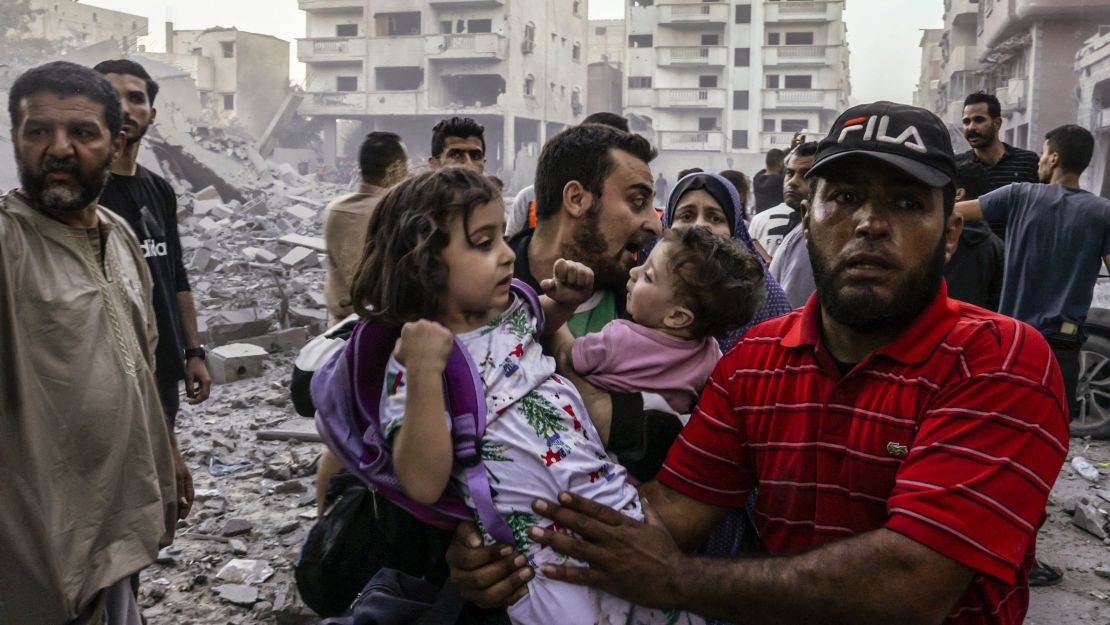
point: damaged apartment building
(516, 66)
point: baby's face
(651, 288)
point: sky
(883, 35)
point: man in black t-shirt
(767, 183)
(149, 205)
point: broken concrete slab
(229, 326)
(202, 261)
(240, 571)
(190, 242)
(300, 258)
(1089, 519)
(237, 527)
(236, 361)
(237, 594)
(316, 243)
(316, 320)
(205, 207)
(208, 193)
(259, 255)
(300, 212)
(290, 338)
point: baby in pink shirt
(693, 287)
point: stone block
(208, 224)
(290, 338)
(298, 240)
(202, 261)
(315, 320)
(260, 255)
(190, 242)
(229, 326)
(208, 193)
(205, 207)
(300, 258)
(237, 361)
(300, 212)
(221, 212)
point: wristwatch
(195, 352)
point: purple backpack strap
(522, 289)
(467, 404)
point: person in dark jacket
(974, 273)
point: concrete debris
(237, 594)
(259, 254)
(237, 361)
(1091, 520)
(1103, 572)
(316, 243)
(237, 527)
(300, 257)
(300, 212)
(245, 571)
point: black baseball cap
(911, 139)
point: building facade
(239, 75)
(928, 81)
(74, 24)
(604, 91)
(1093, 66)
(735, 77)
(518, 67)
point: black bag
(393, 598)
(358, 534)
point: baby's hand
(424, 345)
(572, 283)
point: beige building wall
(73, 23)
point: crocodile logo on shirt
(896, 449)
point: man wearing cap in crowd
(903, 444)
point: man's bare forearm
(879, 577)
(188, 312)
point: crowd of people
(849, 408)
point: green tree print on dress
(541, 415)
(518, 323)
(519, 522)
(494, 452)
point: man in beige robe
(87, 492)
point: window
(228, 48)
(794, 125)
(707, 82)
(601, 30)
(799, 39)
(739, 139)
(710, 40)
(445, 27)
(576, 101)
(708, 123)
(639, 82)
(397, 24)
(346, 30)
(772, 39)
(642, 3)
(530, 85)
(229, 102)
(742, 57)
(772, 81)
(398, 78)
(798, 82)
(479, 26)
(639, 41)
(743, 14)
(198, 52)
(576, 7)
(768, 125)
(576, 52)
(529, 43)
(740, 100)
(346, 83)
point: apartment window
(708, 123)
(772, 39)
(576, 101)
(445, 27)
(710, 40)
(742, 57)
(768, 125)
(739, 139)
(798, 82)
(639, 82)
(198, 52)
(576, 52)
(799, 39)
(228, 48)
(530, 85)
(707, 82)
(743, 14)
(642, 3)
(639, 41)
(794, 125)
(346, 83)
(346, 30)
(740, 100)
(577, 7)
(601, 30)
(529, 43)
(479, 26)
(229, 102)
(397, 24)
(406, 78)
(772, 81)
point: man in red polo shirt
(903, 444)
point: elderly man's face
(63, 149)
(619, 224)
(878, 241)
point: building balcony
(803, 55)
(692, 56)
(467, 4)
(961, 59)
(780, 140)
(703, 140)
(796, 11)
(693, 14)
(330, 5)
(469, 47)
(334, 103)
(640, 97)
(335, 49)
(808, 99)
(700, 98)
(1011, 95)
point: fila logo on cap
(909, 137)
